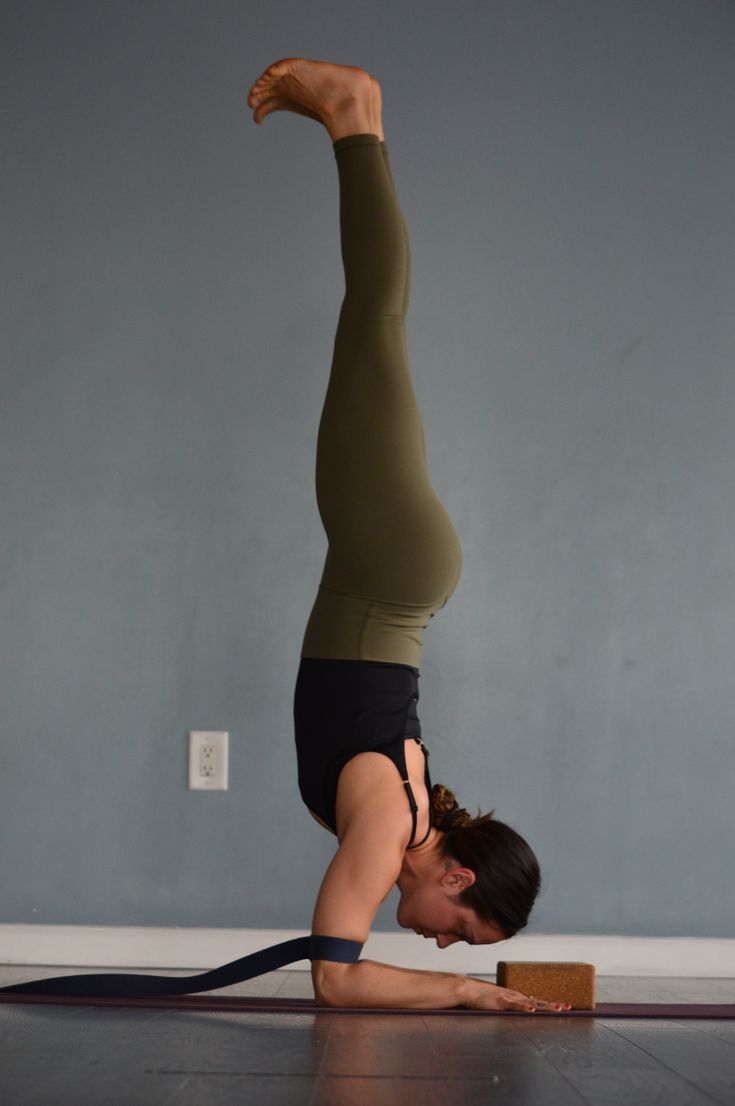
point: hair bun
(454, 818)
(447, 814)
(446, 811)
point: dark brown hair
(507, 873)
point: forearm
(370, 984)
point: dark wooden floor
(54, 1056)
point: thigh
(389, 535)
(371, 436)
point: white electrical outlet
(208, 760)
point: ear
(457, 880)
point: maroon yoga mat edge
(233, 1003)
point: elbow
(328, 980)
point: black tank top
(346, 707)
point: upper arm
(375, 827)
(374, 824)
(358, 879)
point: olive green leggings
(394, 557)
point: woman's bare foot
(345, 99)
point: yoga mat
(175, 992)
(233, 1004)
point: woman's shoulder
(371, 792)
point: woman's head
(477, 881)
(507, 874)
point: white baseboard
(199, 949)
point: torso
(342, 709)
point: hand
(487, 996)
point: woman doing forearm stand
(393, 561)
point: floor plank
(701, 1059)
(725, 1031)
(399, 1045)
(484, 1055)
(229, 1090)
(606, 1068)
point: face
(432, 909)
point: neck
(418, 861)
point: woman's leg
(394, 557)
(407, 275)
(390, 538)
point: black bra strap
(411, 798)
(116, 985)
(423, 839)
(414, 809)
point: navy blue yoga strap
(247, 967)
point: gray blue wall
(171, 282)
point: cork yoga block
(574, 983)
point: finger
(540, 1006)
(555, 1002)
(524, 1006)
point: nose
(443, 940)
